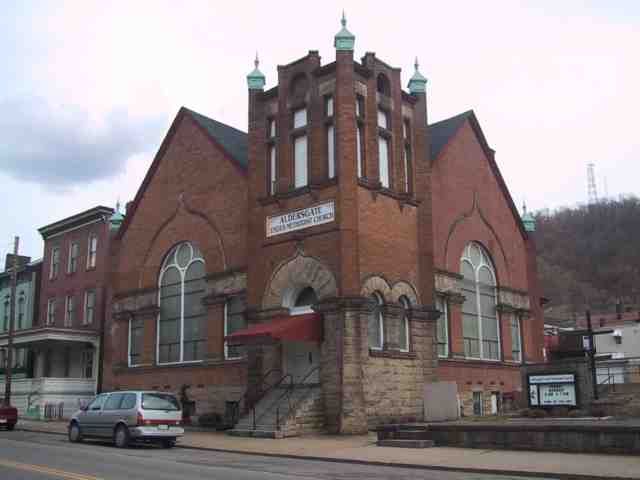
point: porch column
(343, 354)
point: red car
(8, 416)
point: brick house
(317, 250)
(64, 339)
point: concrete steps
(404, 436)
(279, 415)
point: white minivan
(129, 416)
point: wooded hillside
(590, 255)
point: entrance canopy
(301, 328)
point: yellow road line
(46, 470)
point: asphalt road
(37, 456)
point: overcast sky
(88, 89)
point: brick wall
(194, 192)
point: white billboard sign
(299, 219)
(557, 394)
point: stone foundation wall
(393, 389)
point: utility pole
(592, 356)
(12, 314)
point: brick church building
(343, 252)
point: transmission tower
(591, 184)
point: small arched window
(376, 323)
(382, 83)
(181, 324)
(303, 302)
(403, 341)
(480, 327)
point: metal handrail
(288, 393)
(252, 397)
(264, 394)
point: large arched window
(376, 323)
(480, 328)
(181, 325)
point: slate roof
(234, 141)
(442, 131)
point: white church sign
(299, 219)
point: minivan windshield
(159, 401)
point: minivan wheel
(121, 437)
(75, 435)
(169, 443)
(11, 426)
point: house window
(5, 316)
(89, 306)
(182, 320)
(72, 264)
(51, 311)
(300, 154)
(331, 151)
(92, 251)
(359, 149)
(442, 327)
(271, 128)
(516, 340)
(328, 106)
(359, 106)
(136, 332)
(383, 119)
(69, 311)
(383, 148)
(480, 328)
(404, 324)
(87, 363)
(300, 118)
(67, 362)
(55, 263)
(376, 323)
(406, 163)
(234, 320)
(478, 407)
(21, 305)
(383, 159)
(273, 170)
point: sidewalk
(362, 448)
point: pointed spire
(528, 220)
(256, 79)
(417, 83)
(344, 39)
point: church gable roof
(232, 141)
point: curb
(413, 466)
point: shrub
(577, 413)
(210, 420)
(538, 413)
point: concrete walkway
(362, 448)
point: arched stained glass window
(480, 327)
(181, 325)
